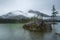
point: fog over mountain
(44, 6)
(16, 15)
(20, 14)
(38, 13)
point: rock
(38, 26)
(57, 34)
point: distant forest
(18, 21)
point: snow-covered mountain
(38, 13)
(18, 17)
(22, 15)
(14, 15)
(8, 15)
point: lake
(16, 32)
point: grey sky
(44, 6)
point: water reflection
(37, 36)
(16, 32)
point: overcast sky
(44, 6)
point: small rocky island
(40, 26)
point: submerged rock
(58, 34)
(38, 26)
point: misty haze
(29, 20)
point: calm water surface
(16, 32)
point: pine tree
(53, 17)
(54, 13)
